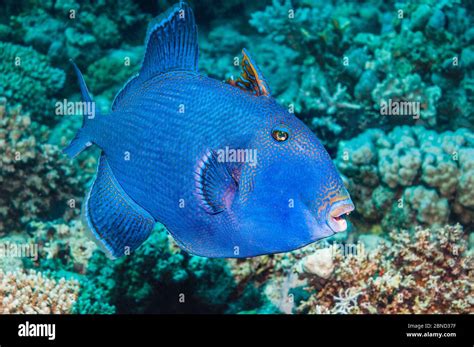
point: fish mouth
(336, 217)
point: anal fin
(117, 223)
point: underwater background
(410, 243)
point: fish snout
(337, 213)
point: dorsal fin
(171, 44)
(251, 78)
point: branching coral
(31, 292)
(277, 276)
(301, 41)
(424, 272)
(35, 177)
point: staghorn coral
(410, 175)
(31, 292)
(35, 174)
(424, 272)
(25, 73)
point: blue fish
(227, 170)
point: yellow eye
(280, 133)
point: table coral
(31, 292)
(424, 272)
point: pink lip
(336, 219)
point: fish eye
(280, 133)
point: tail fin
(82, 139)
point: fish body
(228, 171)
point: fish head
(291, 194)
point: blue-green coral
(410, 175)
(28, 75)
(160, 278)
(79, 30)
(354, 56)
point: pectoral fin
(216, 182)
(117, 223)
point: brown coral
(68, 241)
(35, 178)
(428, 271)
(30, 292)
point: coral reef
(160, 278)
(107, 75)
(355, 56)
(410, 176)
(62, 246)
(427, 271)
(31, 292)
(77, 30)
(25, 73)
(320, 263)
(36, 174)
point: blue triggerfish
(226, 169)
